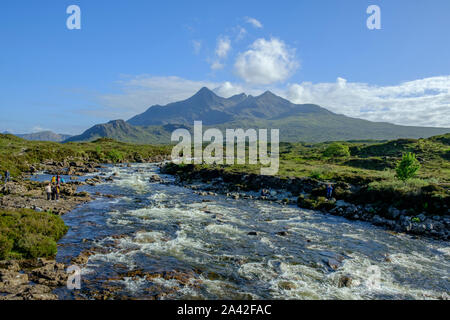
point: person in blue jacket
(329, 190)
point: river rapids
(225, 248)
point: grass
(25, 234)
(17, 155)
(369, 162)
(412, 185)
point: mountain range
(43, 136)
(296, 122)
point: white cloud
(228, 89)
(216, 65)
(38, 129)
(254, 22)
(197, 45)
(223, 47)
(266, 62)
(423, 102)
(140, 92)
(241, 33)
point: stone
(333, 264)
(345, 281)
(422, 217)
(285, 285)
(393, 213)
(12, 279)
(155, 178)
(342, 203)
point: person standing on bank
(329, 190)
(48, 190)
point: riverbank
(424, 213)
(36, 275)
(31, 227)
(28, 270)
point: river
(158, 228)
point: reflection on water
(157, 228)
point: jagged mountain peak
(297, 122)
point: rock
(252, 233)
(282, 233)
(12, 279)
(286, 285)
(422, 217)
(83, 194)
(10, 265)
(345, 281)
(50, 274)
(13, 188)
(155, 178)
(342, 203)
(333, 264)
(82, 258)
(377, 220)
(393, 213)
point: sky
(130, 55)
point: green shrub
(115, 156)
(5, 245)
(407, 167)
(29, 234)
(337, 150)
(98, 153)
(412, 185)
(36, 245)
(316, 174)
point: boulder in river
(345, 281)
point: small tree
(115, 156)
(337, 150)
(408, 167)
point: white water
(166, 227)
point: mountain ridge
(46, 135)
(297, 122)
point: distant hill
(122, 131)
(44, 136)
(297, 122)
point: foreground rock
(31, 279)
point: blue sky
(130, 55)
